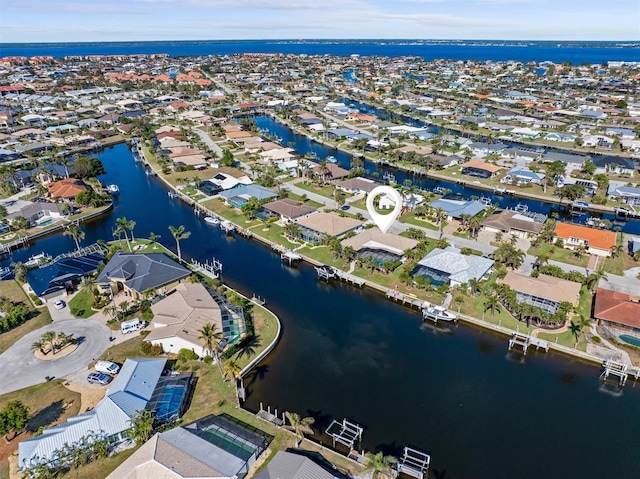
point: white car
(59, 304)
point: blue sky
(113, 20)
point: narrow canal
(480, 411)
(304, 145)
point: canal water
(457, 393)
(304, 145)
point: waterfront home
(39, 213)
(597, 141)
(65, 274)
(446, 161)
(140, 385)
(561, 137)
(313, 228)
(286, 209)
(485, 149)
(595, 241)
(332, 172)
(290, 465)
(67, 188)
(544, 292)
(277, 154)
(590, 186)
(239, 195)
(479, 169)
(511, 222)
(522, 176)
(356, 185)
(614, 164)
(455, 209)
(618, 312)
(212, 447)
(135, 273)
(179, 317)
(450, 266)
(573, 161)
(622, 133)
(381, 246)
(629, 194)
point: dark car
(99, 378)
(345, 207)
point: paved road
(20, 368)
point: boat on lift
(437, 313)
(212, 220)
(113, 189)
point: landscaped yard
(412, 219)
(326, 191)
(556, 253)
(80, 305)
(39, 317)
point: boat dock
(213, 269)
(406, 299)
(345, 432)
(7, 247)
(524, 341)
(414, 463)
(329, 272)
(270, 417)
(227, 226)
(618, 370)
(257, 300)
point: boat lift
(345, 432)
(414, 463)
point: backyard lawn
(559, 254)
(80, 305)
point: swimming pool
(46, 222)
(630, 340)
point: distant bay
(524, 51)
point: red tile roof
(597, 238)
(617, 307)
(67, 188)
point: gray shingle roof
(142, 271)
(286, 465)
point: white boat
(227, 226)
(212, 220)
(113, 189)
(437, 313)
(331, 159)
(521, 208)
(37, 260)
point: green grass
(326, 191)
(412, 219)
(309, 202)
(556, 253)
(38, 317)
(80, 305)
(323, 255)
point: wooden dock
(267, 415)
(616, 369)
(329, 272)
(406, 299)
(212, 269)
(525, 341)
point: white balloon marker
(384, 222)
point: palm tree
(232, 369)
(89, 283)
(154, 239)
(492, 303)
(379, 465)
(49, 338)
(594, 278)
(541, 259)
(76, 233)
(580, 251)
(440, 215)
(299, 425)
(179, 234)
(212, 340)
(474, 286)
(122, 225)
(498, 236)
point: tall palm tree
(179, 233)
(122, 225)
(232, 369)
(299, 425)
(212, 340)
(379, 465)
(594, 278)
(76, 233)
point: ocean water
(558, 52)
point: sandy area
(89, 397)
(68, 349)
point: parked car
(99, 378)
(59, 304)
(345, 207)
(107, 367)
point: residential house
(333, 172)
(619, 312)
(140, 385)
(450, 266)
(135, 273)
(561, 137)
(629, 194)
(63, 275)
(597, 141)
(356, 185)
(456, 209)
(511, 222)
(291, 465)
(67, 188)
(179, 317)
(39, 213)
(544, 292)
(573, 161)
(380, 246)
(522, 176)
(596, 241)
(633, 245)
(213, 447)
(314, 227)
(239, 195)
(286, 209)
(479, 169)
(614, 164)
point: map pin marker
(384, 222)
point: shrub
(147, 315)
(208, 360)
(149, 349)
(37, 301)
(186, 354)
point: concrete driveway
(60, 314)
(20, 368)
